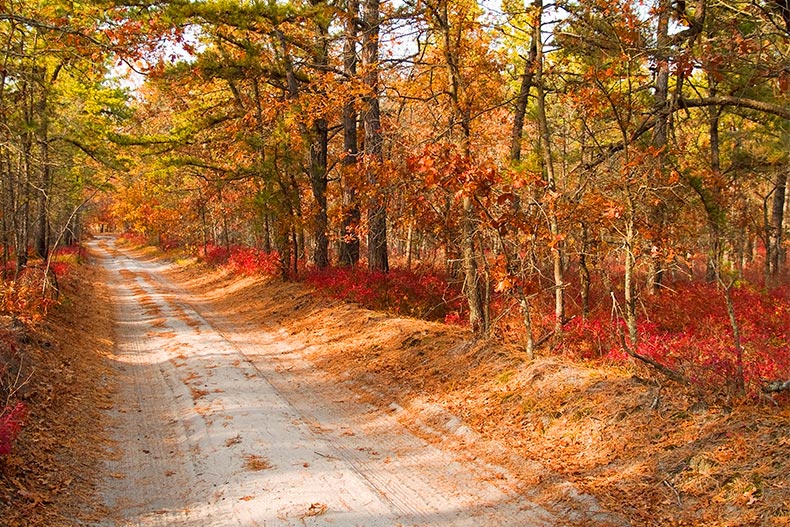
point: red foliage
(11, 415)
(689, 329)
(11, 421)
(686, 327)
(60, 269)
(133, 238)
(168, 243)
(246, 261)
(28, 298)
(250, 261)
(423, 295)
(215, 255)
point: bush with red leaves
(133, 238)
(423, 295)
(11, 419)
(12, 413)
(247, 261)
(687, 328)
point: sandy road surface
(213, 430)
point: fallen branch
(776, 386)
(675, 491)
(665, 370)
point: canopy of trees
(551, 159)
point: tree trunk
(661, 82)
(526, 85)
(472, 287)
(22, 209)
(378, 259)
(45, 183)
(409, 244)
(529, 339)
(318, 183)
(777, 225)
(712, 209)
(282, 240)
(349, 241)
(629, 285)
(267, 233)
(5, 179)
(736, 338)
(557, 249)
(319, 146)
(42, 236)
(584, 273)
(660, 133)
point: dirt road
(221, 426)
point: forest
(601, 179)
(555, 227)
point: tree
(50, 66)
(377, 212)
(349, 242)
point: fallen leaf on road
(316, 509)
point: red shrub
(247, 261)
(11, 420)
(688, 328)
(168, 243)
(134, 238)
(214, 255)
(422, 295)
(60, 269)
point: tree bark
(662, 112)
(629, 284)
(736, 338)
(737, 102)
(349, 240)
(472, 287)
(527, 82)
(777, 225)
(710, 203)
(557, 249)
(584, 273)
(409, 244)
(450, 36)
(24, 179)
(318, 183)
(42, 235)
(378, 258)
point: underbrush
(26, 297)
(687, 328)
(52, 391)
(12, 411)
(425, 295)
(247, 261)
(29, 293)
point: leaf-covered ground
(49, 478)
